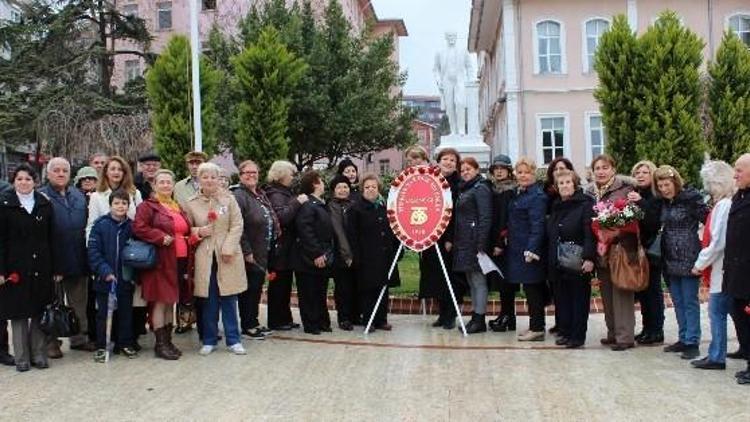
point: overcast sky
(426, 21)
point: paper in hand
(487, 265)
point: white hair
(55, 161)
(279, 169)
(209, 168)
(718, 179)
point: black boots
(477, 324)
(503, 323)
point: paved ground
(414, 373)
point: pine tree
(615, 64)
(729, 100)
(168, 84)
(668, 125)
(267, 75)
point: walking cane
(111, 306)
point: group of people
(216, 245)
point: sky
(426, 21)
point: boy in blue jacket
(106, 241)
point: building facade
(536, 66)
(427, 108)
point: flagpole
(195, 46)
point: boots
(503, 323)
(169, 328)
(161, 348)
(477, 324)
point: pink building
(393, 160)
(535, 65)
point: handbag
(654, 249)
(570, 256)
(59, 320)
(628, 267)
(139, 255)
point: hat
(85, 172)
(338, 179)
(346, 162)
(501, 160)
(196, 156)
(149, 156)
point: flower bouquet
(612, 220)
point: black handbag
(139, 255)
(570, 256)
(59, 320)
(654, 249)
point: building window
(385, 166)
(552, 132)
(15, 16)
(549, 47)
(164, 15)
(740, 24)
(130, 10)
(595, 135)
(209, 4)
(595, 28)
(132, 69)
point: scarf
(601, 191)
(167, 202)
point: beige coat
(224, 241)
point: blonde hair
(279, 169)
(417, 151)
(669, 173)
(209, 168)
(718, 180)
(527, 162)
(166, 172)
(649, 164)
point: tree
(60, 62)
(221, 49)
(668, 125)
(267, 75)
(170, 96)
(615, 64)
(729, 100)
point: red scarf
(706, 276)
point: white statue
(452, 70)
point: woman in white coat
(718, 180)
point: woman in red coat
(160, 222)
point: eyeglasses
(248, 173)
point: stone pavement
(414, 373)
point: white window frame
(588, 66)
(128, 76)
(563, 49)
(539, 142)
(587, 128)
(171, 15)
(387, 162)
(736, 13)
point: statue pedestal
(467, 146)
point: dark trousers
(4, 337)
(122, 320)
(278, 294)
(652, 303)
(367, 300)
(447, 310)
(312, 290)
(535, 298)
(345, 294)
(572, 301)
(508, 298)
(742, 324)
(249, 300)
(91, 310)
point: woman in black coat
(285, 205)
(313, 255)
(344, 276)
(27, 266)
(473, 224)
(374, 247)
(431, 279)
(651, 299)
(569, 223)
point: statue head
(450, 38)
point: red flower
(14, 278)
(446, 185)
(434, 238)
(621, 203)
(747, 309)
(422, 170)
(395, 183)
(193, 239)
(272, 276)
(212, 216)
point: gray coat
(680, 219)
(473, 224)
